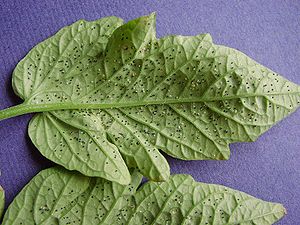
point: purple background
(267, 31)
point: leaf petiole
(27, 108)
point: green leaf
(58, 196)
(137, 95)
(183, 95)
(2, 200)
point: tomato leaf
(182, 95)
(58, 196)
(132, 95)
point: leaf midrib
(78, 105)
(28, 107)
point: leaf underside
(136, 95)
(58, 196)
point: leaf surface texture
(58, 196)
(133, 95)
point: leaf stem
(16, 111)
(27, 108)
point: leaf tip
(153, 15)
(208, 37)
(279, 210)
(151, 18)
(148, 19)
(282, 209)
(224, 155)
(126, 180)
(166, 174)
(163, 177)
